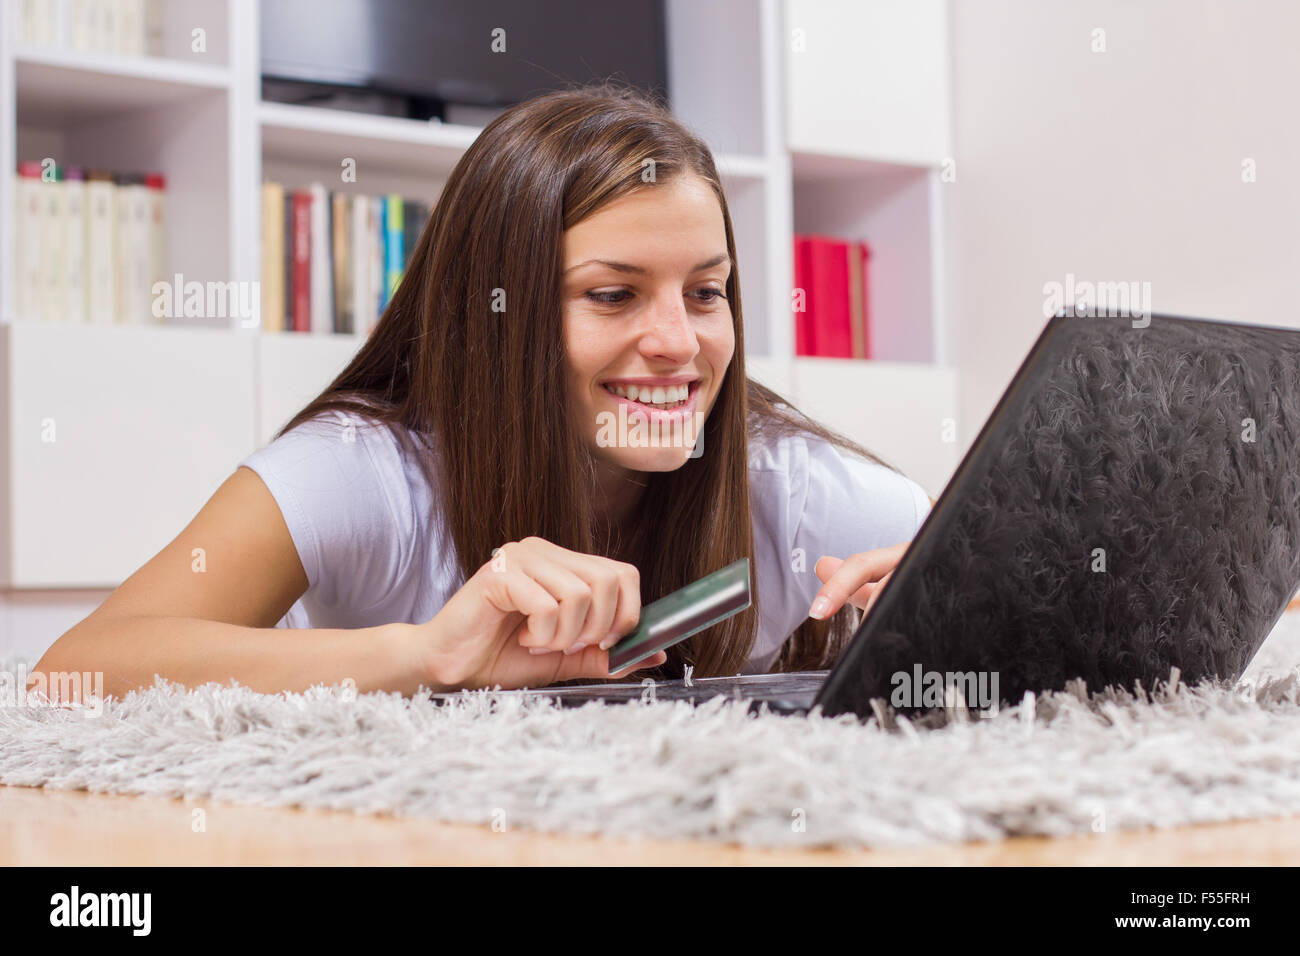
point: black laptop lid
(1132, 505)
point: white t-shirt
(364, 522)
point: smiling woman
(450, 511)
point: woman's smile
(659, 399)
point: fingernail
(574, 649)
(820, 607)
(539, 650)
(609, 642)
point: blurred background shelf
(413, 147)
(66, 86)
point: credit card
(675, 617)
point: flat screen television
(428, 54)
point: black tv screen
(442, 50)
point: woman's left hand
(857, 579)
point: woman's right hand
(533, 615)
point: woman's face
(647, 331)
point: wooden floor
(74, 828)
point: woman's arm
(205, 607)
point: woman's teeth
(660, 396)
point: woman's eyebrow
(638, 270)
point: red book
(860, 299)
(829, 307)
(804, 343)
(302, 262)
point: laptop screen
(1132, 505)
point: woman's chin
(647, 459)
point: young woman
(468, 503)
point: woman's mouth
(661, 397)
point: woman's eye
(608, 298)
(713, 295)
(619, 296)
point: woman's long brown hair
(479, 395)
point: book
(52, 244)
(394, 257)
(156, 210)
(414, 213)
(101, 247)
(341, 227)
(322, 291)
(302, 285)
(363, 306)
(804, 341)
(832, 274)
(74, 228)
(862, 318)
(133, 247)
(287, 265)
(27, 246)
(273, 257)
(380, 259)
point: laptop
(1131, 507)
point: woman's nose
(670, 334)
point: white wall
(1122, 165)
(32, 620)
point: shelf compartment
(65, 87)
(308, 133)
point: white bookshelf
(846, 137)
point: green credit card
(675, 617)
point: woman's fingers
(598, 599)
(574, 596)
(875, 593)
(658, 658)
(518, 593)
(616, 606)
(857, 578)
(592, 662)
(628, 612)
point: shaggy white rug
(1066, 763)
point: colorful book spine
(363, 306)
(378, 256)
(322, 291)
(302, 287)
(341, 227)
(394, 258)
(353, 257)
(272, 257)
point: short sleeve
(332, 478)
(811, 499)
